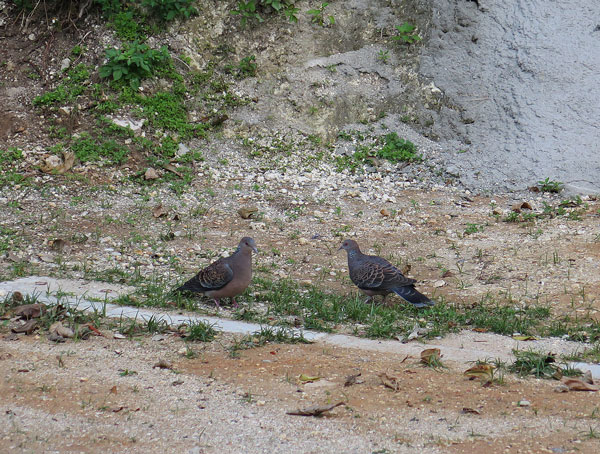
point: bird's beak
(254, 248)
(340, 248)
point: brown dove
(227, 277)
(376, 276)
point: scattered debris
(28, 327)
(575, 384)
(472, 411)
(316, 410)
(151, 174)
(160, 210)
(53, 164)
(353, 380)
(29, 311)
(163, 364)
(483, 371)
(389, 381)
(308, 379)
(247, 212)
(431, 357)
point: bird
(374, 275)
(226, 277)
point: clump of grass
(201, 331)
(548, 185)
(540, 365)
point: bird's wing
(377, 273)
(215, 276)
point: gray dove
(376, 276)
(227, 277)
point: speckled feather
(376, 276)
(214, 277)
(226, 277)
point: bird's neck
(353, 253)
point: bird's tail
(187, 287)
(414, 297)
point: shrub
(133, 63)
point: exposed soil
(214, 403)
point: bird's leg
(235, 304)
(368, 300)
(217, 303)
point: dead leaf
(480, 330)
(430, 355)
(94, 329)
(389, 381)
(524, 338)
(117, 410)
(316, 410)
(352, 380)
(53, 164)
(26, 328)
(17, 297)
(159, 210)
(173, 169)
(58, 244)
(163, 364)
(113, 390)
(177, 383)
(150, 174)
(587, 377)
(247, 212)
(574, 384)
(385, 212)
(29, 311)
(308, 379)
(470, 410)
(483, 371)
(448, 274)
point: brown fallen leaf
(27, 328)
(118, 409)
(171, 168)
(352, 380)
(483, 371)
(58, 244)
(448, 274)
(574, 384)
(17, 297)
(316, 410)
(385, 212)
(56, 166)
(113, 390)
(61, 330)
(159, 210)
(177, 383)
(389, 381)
(151, 174)
(163, 364)
(430, 356)
(94, 329)
(247, 212)
(587, 377)
(29, 311)
(470, 410)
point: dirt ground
(106, 395)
